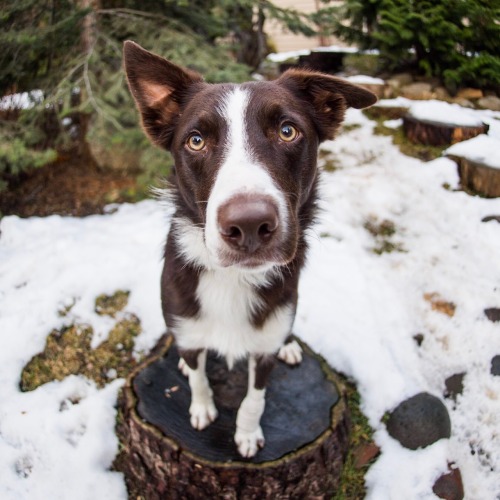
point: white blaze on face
(239, 172)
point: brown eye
(196, 142)
(288, 132)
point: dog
(244, 188)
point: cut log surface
(305, 424)
(433, 133)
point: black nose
(248, 222)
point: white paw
(183, 367)
(248, 443)
(291, 353)
(202, 414)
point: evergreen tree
(457, 40)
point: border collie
(244, 189)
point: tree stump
(477, 177)
(305, 424)
(432, 133)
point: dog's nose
(248, 222)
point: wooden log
(432, 133)
(478, 178)
(305, 424)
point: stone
(401, 79)
(454, 386)
(489, 102)
(465, 103)
(417, 91)
(449, 486)
(442, 94)
(469, 93)
(495, 365)
(419, 421)
(493, 313)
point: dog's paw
(291, 353)
(202, 414)
(183, 367)
(248, 443)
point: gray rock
(495, 365)
(489, 102)
(419, 421)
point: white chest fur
(227, 300)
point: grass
(68, 350)
(383, 233)
(352, 482)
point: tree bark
(478, 178)
(438, 134)
(305, 424)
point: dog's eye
(196, 142)
(288, 132)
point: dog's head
(245, 155)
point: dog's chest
(224, 322)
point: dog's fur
(244, 189)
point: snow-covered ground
(360, 310)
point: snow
(278, 57)
(22, 100)
(444, 112)
(482, 149)
(358, 309)
(365, 79)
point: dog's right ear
(158, 87)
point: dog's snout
(247, 223)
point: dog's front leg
(202, 408)
(249, 437)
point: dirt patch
(69, 186)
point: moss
(352, 482)
(383, 233)
(68, 350)
(109, 305)
(421, 151)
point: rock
(493, 313)
(449, 486)
(490, 102)
(417, 91)
(454, 386)
(419, 421)
(401, 79)
(465, 103)
(442, 94)
(495, 365)
(469, 93)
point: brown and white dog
(244, 189)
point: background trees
(456, 40)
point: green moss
(421, 151)
(352, 482)
(109, 305)
(68, 350)
(383, 232)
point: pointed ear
(158, 87)
(329, 96)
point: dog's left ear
(158, 87)
(329, 95)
